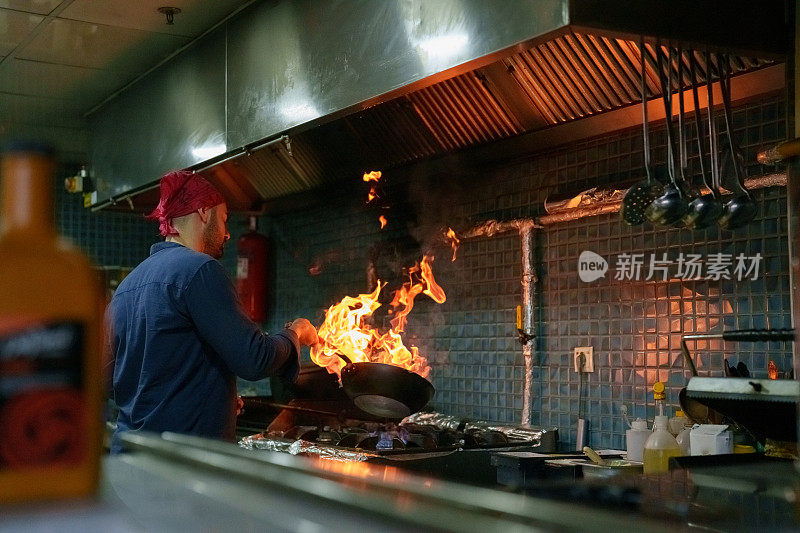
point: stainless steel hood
(292, 95)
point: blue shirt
(180, 339)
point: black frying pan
(385, 390)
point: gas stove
(436, 444)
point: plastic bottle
(677, 423)
(660, 446)
(635, 439)
(51, 308)
(683, 438)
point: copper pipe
(781, 152)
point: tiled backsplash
(321, 255)
(109, 238)
(633, 326)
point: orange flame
(405, 297)
(773, 370)
(346, 331)
(432, 289)
(408, 292)
(372, 194)
(375, 175)
(383, 221)
(450, 236)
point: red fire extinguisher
(252, 252)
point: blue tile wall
(321, 255)
(634, 326)
(108, 238)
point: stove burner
(476, 438)
(432, 443)
(391, 438)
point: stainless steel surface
(576, 75)
(294, 62)
(278, 74)
(447, 76)
(172, 119)
(374, 492)
(466, 113)
(766, 407)
(773, 390)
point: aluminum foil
(442, 421)
(259, 442)
(528, 279)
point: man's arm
(213, 307)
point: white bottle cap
(639, 425)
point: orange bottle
(51, 305)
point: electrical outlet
(588, 360)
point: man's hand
(305, 332)
(239, 405)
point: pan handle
(759, 335)
(344, 358)
(688, 357)
(747, 335)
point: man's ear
(205, 214)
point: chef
(178, 337)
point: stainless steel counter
(179, 483)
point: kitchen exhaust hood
(291, 95)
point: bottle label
(42, 407)
(241, 267)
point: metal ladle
(670, 207)
(685, 186)
(741, 209)
(707, 208)
(638, 197)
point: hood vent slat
(569, 77)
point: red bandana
(182, 192)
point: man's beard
(214, 246)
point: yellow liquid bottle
(659, 448)
(51, 307)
